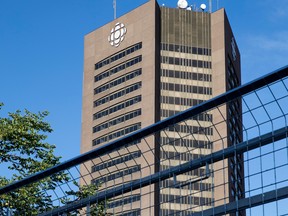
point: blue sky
(41, 52)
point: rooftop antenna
(182, 4)
(210, 6)
(114, 7)
(203, 7)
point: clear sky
(41, 52)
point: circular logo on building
(117, 34)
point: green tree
(24, 151)
(86, 191)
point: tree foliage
(98, 209)
(24, 151)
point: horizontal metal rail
(177, 170)
(245, 203)
(195, 110)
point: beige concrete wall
(140, 25)
(221, 191)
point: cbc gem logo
(117, 34)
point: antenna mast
(114, 6)
(210, 6)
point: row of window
(118, 81)
(185, 62)
(195, 186)
(171, 212)
(186, 49)
(199, 117)
(114, 162)
(116, 175)
(186, 75)
(118, 55)
(196, 172)
(236, 177)
(185, 142)
(180, 101)
(234, 137)
(237, 194)
(136, 142)
(116, 134)
(234, 111)
(135, 212)
(203, 201)
(234, 122)
(181, 156)
(235, 106)
(117, 120)
(118, 68)
(118, 94)
(236, 180)
(191, 129)
(235, 167)
(235, 130)
(124, 201)
(186, 88)
(233, 80)
(234, 119)
(117, 107)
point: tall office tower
(143, 67)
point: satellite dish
(203, 6)
(182, 4)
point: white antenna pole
(114, 6)
(210, 6)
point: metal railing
(186, 163)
